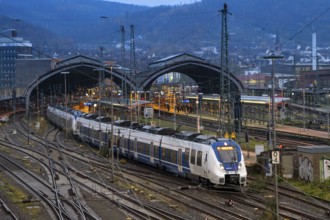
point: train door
(160, 151)
(128, 144)
(122, 144)
(180, 160)
(205, 163)
(151, 152)
(135, 148)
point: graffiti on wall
(305, 169)
(326, 168)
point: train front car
(228, 166)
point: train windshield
(228, 154)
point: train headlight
(222, 167)
(239, 166)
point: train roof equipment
(207, 139)
(123, 123)
(187, 135)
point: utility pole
(100, 72)
(66, 103)
(132, 59)
(328, 110)
(225, 98)
(122, 57)
(112, 135)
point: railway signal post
(274, 57)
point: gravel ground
(103, 208)
(23, 211)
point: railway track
(7, 213)
(293, 203)
(287, 139)
(89, 172)
(148, 210)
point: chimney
(13, 33)
(314, 51)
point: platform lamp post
(66, 102)
(112, 131)
(130, 104)
(174, 117)
(99, 70)
(197, 114)
(112, 141)
(328, 110)
(304, 109)
(274, 57)
(159, 105)
(29, 126)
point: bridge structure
(84, 72)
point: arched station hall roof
(206, 75)
(83, 73)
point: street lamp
(197, 114)
(273, 57)
(66, 102)
(29, 127)
(304, 109)
(174, 117)
(130, 103)
(99, 102)
(328, 110)
(112, 121)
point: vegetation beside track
(317, 188)
(16, 196)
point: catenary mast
(225, 114)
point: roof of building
(175, 58)
(318, 149)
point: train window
(140, 147)
(147, 149)
(122, 141)
(227, 154)
(156, 149)
(173, 156)
(94, 134)
(117, 143)
(180, 157)
(168, 155)
(152, 149)
(125, 142)
(199, 158)
(103, 137)
(193, 157)
(163, 153)
(186, 155)
(135, 144)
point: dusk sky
(155, 2)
